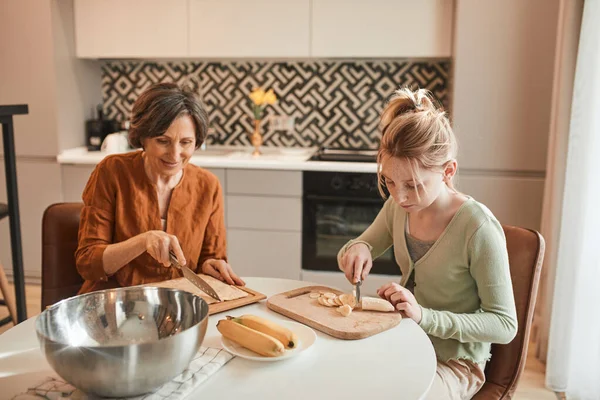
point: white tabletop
(398, 363)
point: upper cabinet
(381, 28)
(131, 29)
(263, 28)
(242, 28)
(503, 68)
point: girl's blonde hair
(414, 127)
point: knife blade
(357, 290)
(193, 278)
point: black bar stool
(7, 298)
(6, 119)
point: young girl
(451, 249)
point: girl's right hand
(356, 262)
(158, 244)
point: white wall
(38, 67)
(79, 82)
(27, 74)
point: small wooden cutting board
(297, 304)
(233, 296)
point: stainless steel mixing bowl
(123, 342)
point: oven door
(329, 222)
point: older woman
(140, 205)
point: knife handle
(173, 259)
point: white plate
(306, 338)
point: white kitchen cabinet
(131, 29)
(74, 179)
(267, 213)
(241, 28)
(264, 182)
(514, 200)
(264, 222)
(265, 253)
(503, 68)
(381, 28)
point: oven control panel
(327, 183)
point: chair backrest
(60, 226)
(525, 254)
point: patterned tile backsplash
(332, 103)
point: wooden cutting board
(233, 296)
(297, 304)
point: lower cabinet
(265, 253)
(74, 178)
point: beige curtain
(569, 26)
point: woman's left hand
(221, 270)
(402, 299)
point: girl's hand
(402, 299)
(356, 262)
(158, 244)
(221, 270)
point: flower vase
(256, 138)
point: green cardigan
(462, 283)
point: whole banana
(284, 335)
(251, 339)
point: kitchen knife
(357, 290)
(193, 278)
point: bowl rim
(56, 305)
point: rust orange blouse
(120, 202)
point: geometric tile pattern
(333, 103)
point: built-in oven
(337, 207)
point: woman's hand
(356, 262)
(158, 245)
(402, 299)
(221, 270)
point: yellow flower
(270, 97)
(257, 96)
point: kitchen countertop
(238, 157)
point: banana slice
(323, 301)
(345, 310)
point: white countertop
(240, 157)
(397, 363)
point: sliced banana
(345, 310)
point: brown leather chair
(502, 373)
(60, 226)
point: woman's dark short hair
(161, 104)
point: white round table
(399, 363)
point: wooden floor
(531, 385)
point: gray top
(417, 248)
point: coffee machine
(97, 129)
